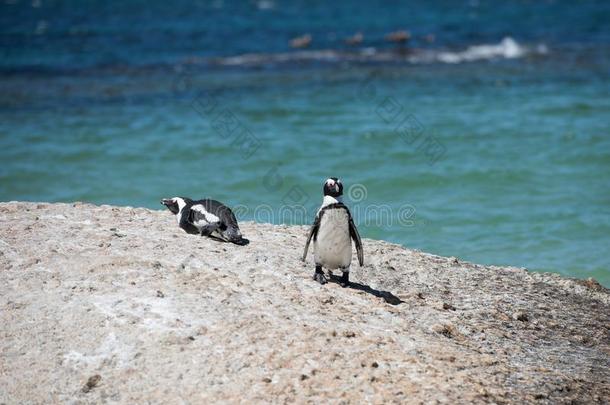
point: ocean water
(489, 141)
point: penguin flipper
(353, 232)
(209, 229)
(313, 232)
(185, 222)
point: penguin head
(175, 204)
(333, 187)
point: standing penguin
(332, 233)
(205, 217)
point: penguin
(205, 217)
(332, 232)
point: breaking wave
(508, 48)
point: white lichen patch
(111, 352)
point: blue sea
(485, 135)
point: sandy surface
(118, 305)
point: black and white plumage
(332, 232)
(205, 217)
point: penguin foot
(319, 276)
(344, 281)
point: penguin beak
(171, 205)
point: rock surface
(117, 304)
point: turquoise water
(503, 159)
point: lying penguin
(205, 217)
(332, 233)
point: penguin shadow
(241, 242)
(386, 295)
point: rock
(245, 323)
(592, 284)
(400, 36)
(520, 316)
(447, 330)
(301, 42)
(355, 39)
(91, 383)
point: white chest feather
(333, 245)
(181, 205)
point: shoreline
(582, 279)
(124, 294)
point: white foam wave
(508, 48)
